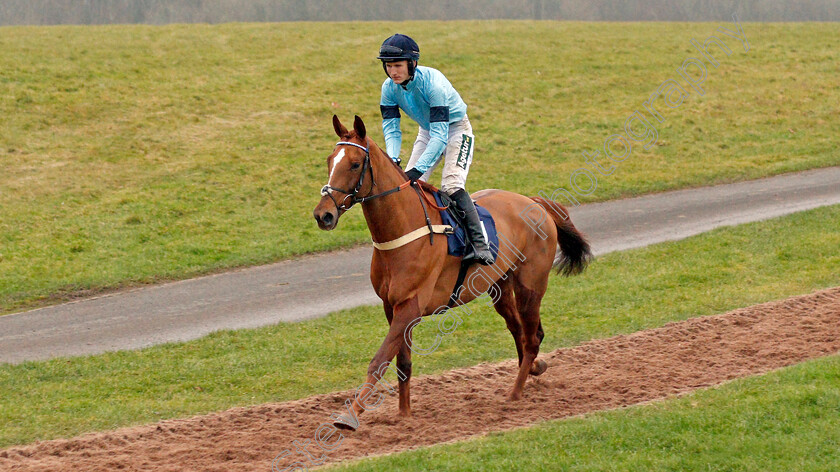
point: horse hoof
(514, 396)
(538, 367)
(344, 424)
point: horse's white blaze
(336, 161)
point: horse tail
(574, 253)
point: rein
(430, 229)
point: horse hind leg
(539, 366)
(528, 305)
(505, 305)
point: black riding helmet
(399, 47)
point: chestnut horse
(417, 278)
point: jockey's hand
(413, 174)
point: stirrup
(472, 254)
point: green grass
(782, 421)
(620, 293)
(134, 154)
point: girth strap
(462, 274)
(416, 234)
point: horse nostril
(327, 218)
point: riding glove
(413, 174)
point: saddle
(457, 239)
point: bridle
(326, 190)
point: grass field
(620, 293)
(134, 154)
(779, 422)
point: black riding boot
(480, 249)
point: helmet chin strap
(410, 74)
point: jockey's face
(397, 71)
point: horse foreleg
(367, 396)
(404, 366)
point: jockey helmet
(399, 47)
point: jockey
(426, 96)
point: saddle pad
(458, 240)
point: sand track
(601, 374)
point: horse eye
(355, 166)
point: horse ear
(340, 130)
(359, 126)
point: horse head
(350, 174)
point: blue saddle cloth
(458, 240)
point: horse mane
(423, 185)
(426, 186)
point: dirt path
(601, 374)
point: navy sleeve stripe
(389, 111)
(437, 114)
